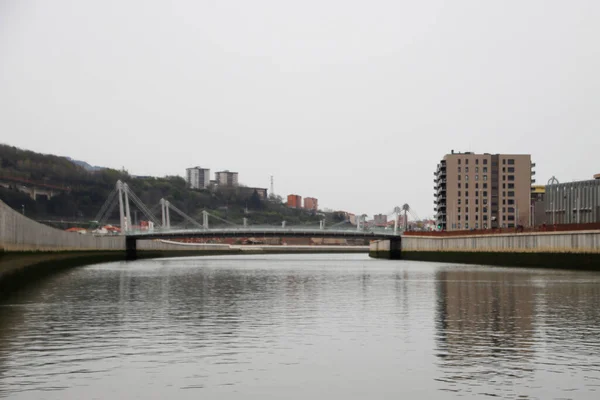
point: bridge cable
(221, 219)
(136, 200)
(106, 205)
(185, 216)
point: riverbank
(569, 250)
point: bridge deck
(261, 232)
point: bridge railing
(258, 229)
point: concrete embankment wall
(549, 249)
(18, 233)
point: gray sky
(352, 102)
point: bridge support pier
(130, 248)
(390, 249)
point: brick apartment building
(483, 191)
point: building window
(503, 194)
(466, 217)
(477, 161)
(467, 202)
(503, 162)
(459, 225)
(511, 217)
(485, 177)
(485, 209)
(503, 201)
(466, 177)
(466, 194)
(485, 217)
(485, 170)
(459, 193)
(476, 177)
(503, 169)
(458, 209)
(485, 162)
(504, 186)
(467, 161)
(477, 186)
(459, 185)
(511, 177)
(511, 201)
(476, 209)
(466, 170)
(476, 225)
(476, 201)
(503, 209)
(467, 211)
(511, 193)
(476, 217)
(466, 225)
(459, 161)
(459, 177)
(504, 218)
(459, 170)
(458, 217)
(476, 193)
(511, 170)
(485, 186)
(511, 161)
(476, 170)
(458, 201)
(511, 185)
(511, 209)
(503, 177)
(484, 201)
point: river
(302, 327)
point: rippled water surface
(302, 327)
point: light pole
(23, 208)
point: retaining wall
(579, 249)
(18, 233)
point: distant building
(249, 191)
(573, 202)
(380, 220)
(481, 191)
(310, 203)
(197, 177)
(226, 178)
(352, 218)
(294, 201)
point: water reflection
(485, 328)
(495, 327)
(301, 327)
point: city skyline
(354, 105)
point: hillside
(86, 191)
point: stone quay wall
(579, 249)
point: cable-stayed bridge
(213, 226)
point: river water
(302, 327)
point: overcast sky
(352, 102)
